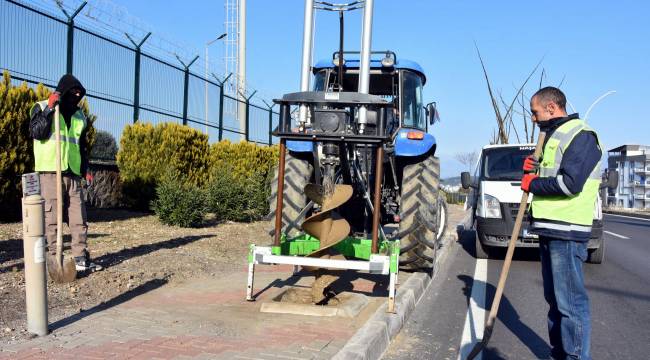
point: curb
(627, 213)
(372, 339)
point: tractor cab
(399, 82)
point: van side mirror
(465, 180)
(432, 113)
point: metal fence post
(221, 94)
(136, 77)
(186, 85)
(270, 121)
(70, 42)
(246, 114)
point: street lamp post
(206, 76)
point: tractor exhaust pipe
(364, 65)
(307, 45)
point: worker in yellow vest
(68, 94)
(564, 183)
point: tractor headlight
(492, 206)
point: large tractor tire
(297, 173)
(438, 228)
(419, 207)
(596, 256)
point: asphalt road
(619, 291)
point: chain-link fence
(124, 84)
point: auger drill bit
(328, 226)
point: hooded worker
(73, 126)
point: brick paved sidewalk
(202, 319)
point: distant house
(633, 165)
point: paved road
(619, 290)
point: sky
(595, 46)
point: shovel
(489, 325)
(61, 270)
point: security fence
(124, 84)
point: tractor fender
(412, 147)
(300, 146)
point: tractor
(357, 177)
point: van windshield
(504, 163)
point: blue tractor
(357, 161)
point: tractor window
(412, 107)
(319, 80)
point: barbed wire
(114, 21)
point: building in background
(633, 165)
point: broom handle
(513, 240)
(59, 189)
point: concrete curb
(373, 338)
(627, 213)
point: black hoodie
(40, 124)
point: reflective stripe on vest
(571, 208)
(45, 150)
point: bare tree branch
(467, 158)
(502, 134)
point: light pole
(206, 76)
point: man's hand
(53, 100)
(526, 180)
(531, 164)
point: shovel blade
(61, 274)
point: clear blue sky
(597, 45)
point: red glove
(53, 100)
(531, 164)
(526, 180)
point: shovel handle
(503, 276)
(59, 188)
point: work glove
(531, 164)
(526, 180)
(89, 179)
(53, 100)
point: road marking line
(475, 319)
(615, 234)
(628, 217)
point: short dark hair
(551, 94)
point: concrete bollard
(35, 274)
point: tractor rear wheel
(419, 207)
(297, 174)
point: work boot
(83, 263)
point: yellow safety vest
(570, 212)
(45, 150)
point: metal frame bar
(378, 264)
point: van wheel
(596, 256)
(480, 250)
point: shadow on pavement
(510, 318)
(120, 299)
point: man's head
(548, 103)
(71, 92)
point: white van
(494, 201)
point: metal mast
(231, 53)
